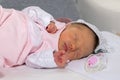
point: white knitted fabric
(39, 15)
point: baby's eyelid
(72, 46)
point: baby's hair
(82, 26)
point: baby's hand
(51, 28)
(60, 58)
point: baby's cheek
(70, 56)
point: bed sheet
(26, 73)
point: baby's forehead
(77, 25)
(80, 27)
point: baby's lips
(65, 47)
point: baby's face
(76, 42)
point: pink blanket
(14, 39)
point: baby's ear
(65, 20)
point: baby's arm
(42, 59)
(47, 59)
(38, 15)
(57, 24)
(43, 18)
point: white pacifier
(96, 62)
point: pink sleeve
(59, 25)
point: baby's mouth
(65, 47)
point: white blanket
(26, 73)
(112, 71)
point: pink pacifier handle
(92, 60)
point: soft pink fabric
(14, 37)
(15, 40)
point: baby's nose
(71, 47)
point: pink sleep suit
(24, 39)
